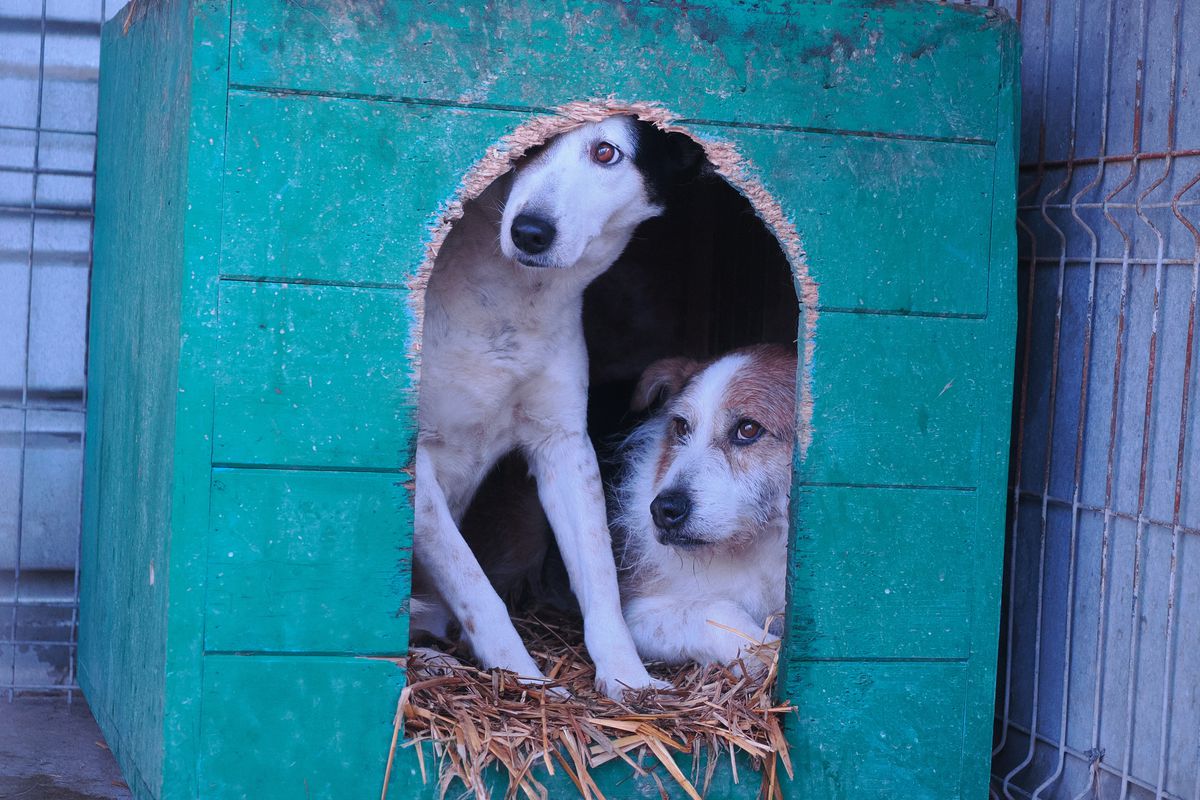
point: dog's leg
(461, 582)
(568, 481)
(675, 629)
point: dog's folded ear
(661, 381)
(667, 159)
(686, 156)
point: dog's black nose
(670, 509)
(532, 234)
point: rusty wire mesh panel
(49, 57)
(1099, 690)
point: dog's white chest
(755, 582)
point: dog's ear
(667, 159)
(662, 380)
(685, 156)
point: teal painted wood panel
(893, 67)
(988, 555)
(888, 424)
(290, 727)
(881, 231)
(884, 731)
(314, 375)
(342, 190)
(884, 236)
(899, 400)
(199, 349)
(133, 362)
(308, 561)
(883, 573)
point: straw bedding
(478, 719)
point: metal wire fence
(49, 57)
(1099, 686)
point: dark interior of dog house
(705, 278)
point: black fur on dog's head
(668, 160)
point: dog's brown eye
(748, 430)
(680, 428)
(605, 153)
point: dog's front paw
(435, 662)
(659, 686)
(748, 666)
(756, 660)
(539, 683)
(617, 687)
(553, 691)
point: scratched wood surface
(294, 563)
(880, 233)
(264, 197)
(336, 163)
(133, 361)
(826, 64)
(312, 375)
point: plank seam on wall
(846, 485)
(250, 89)
(307, 654)
(840, 132)
(244, 89)
(285, 281)
(991, 234)
(281, 280)
(893, 312)
(235, 465)
(884, 659)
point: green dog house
(273, 178)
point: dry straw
(477, 721)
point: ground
(50, 750)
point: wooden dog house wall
(269, 176)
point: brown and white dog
(701, 506)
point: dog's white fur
(504, 367)
(725, 562)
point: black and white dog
(505, 368)
(701, 507)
